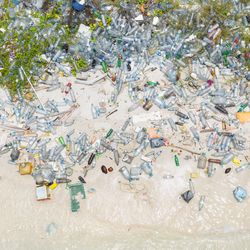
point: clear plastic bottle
(202, 161)
(227, 158)
(191, 186)
(125, 173)
(195, 133)
(210, 169)
(202, 202)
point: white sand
(155, 218)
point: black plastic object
(93, 63)
(129, 66)
(180, 114)
(221, 109)
(80, 178)
(157, 142)
(104, 169)
(91, 158)
(65, 47)
(179, 123)
(14, 154)
(187, 196)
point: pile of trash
(206, 94)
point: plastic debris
(200, 106)
(187, 196)
(243, 116)
(201, 202)
(202, 161)
(104, 169)
(75, 189)
(240, 193)
(51, 228)
(177, 162)
(42, 193)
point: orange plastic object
(243, 116)
(142, 9)
(153, 133)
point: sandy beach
(149, 214)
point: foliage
(24, 45)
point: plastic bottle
(202, 161)
(147, 168)
(126, 123)
(227, 158)
(191, 186)
(116, 156)
(109, 134)
(192, 117)
(177, 161)
(172, 124)
(195, 133)
(210, 169)
(125, 173)
(201, 202)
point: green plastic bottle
(61, 141)
(104, 67)
(119, 63)
(110, 132)
(177, 161)
(242, 107)
(150, 83)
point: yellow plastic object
(53, 186)
(44, 77)
(68, 147)
(61, 74)
(45, 134)
(25, 168)
(243, 116)
(37, 156)
(194, 175)
(236, 161)
(28, 96)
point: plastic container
(78, 5)
(202, 161)
(240, 193)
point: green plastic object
(97, 14)
(178, 56)
(225, 59)
(119, 63)
(150, 83)
(74, 190)
(226, 53)
(177, 161)
(104, 67)
(75, 205)
(98, 155)
(110, 132)
(168, 55)
(242, 107)
(61, 141)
